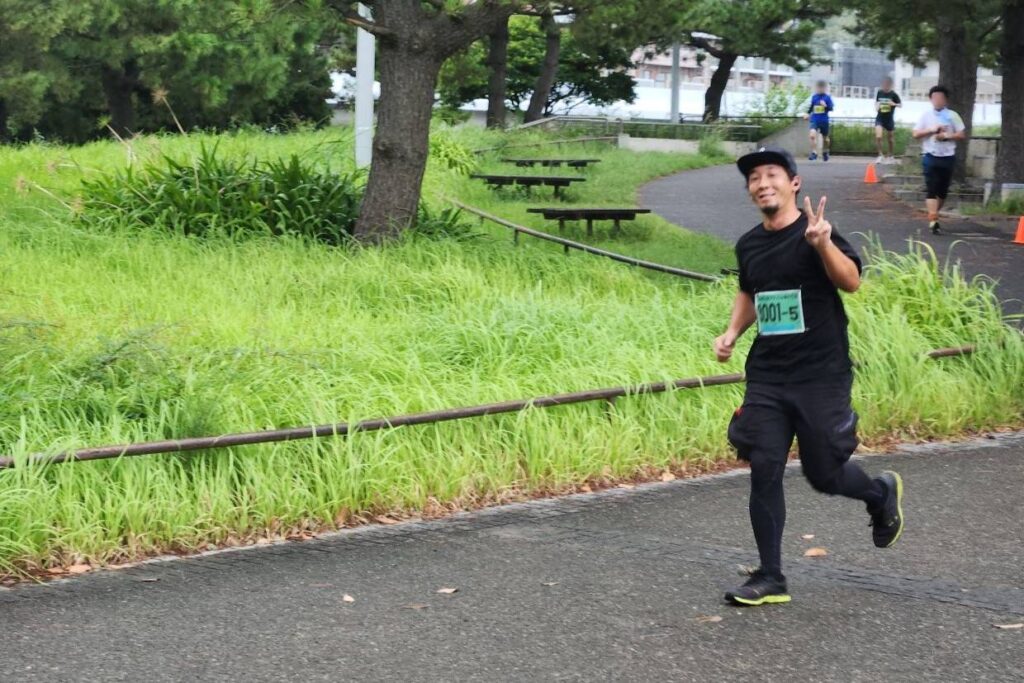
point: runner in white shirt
(939, 129)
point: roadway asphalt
(618, 585)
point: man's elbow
(851, 285)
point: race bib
(819, 109)
(779, 312)
(885, 108)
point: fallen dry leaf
(586, 488)
(55, 570)
(807, 537)
(79, 568)
(148, 579)
(347, 598)
(627, 486)
(815, 552)
(667, 476)
(125, 565)
(262, 541)
(1009, 627)
(550, 583)
(383, 519)
(447, 591)
(415, 606)
(710, 619)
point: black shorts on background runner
(887, 101)
(938, 174)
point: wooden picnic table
(614, 214)
(571, 163)
(557, 182)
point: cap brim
(749, 162)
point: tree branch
(995, 24)
(707, 46)
(351, 17)
(475, 20)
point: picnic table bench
(616, 215)
(571, 163)
(557, 182)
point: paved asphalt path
(714, 200)
(619, 585)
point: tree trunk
(4, 133)
(401, 142)
(958, 71)
(414, 42)
(497, 62)
(118, 87)
(548, 69)
(1010, 162)
(719, 81)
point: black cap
(766, 155)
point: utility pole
(674, 115)
(364, 93)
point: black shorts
(820, 126)
(938, 174)
(817, 413)
(887, 122)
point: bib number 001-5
(779, 312)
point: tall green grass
(124, 336)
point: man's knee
(765, 474)
(823, 476)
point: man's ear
(797, 182)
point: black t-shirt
(887, 98)
(781, 260)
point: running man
(799, 372)
(941, 129)
(817, 112)
(886, 101)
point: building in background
(696, 68)
(913, 82)
(851, 71)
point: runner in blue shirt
(817, 112)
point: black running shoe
(759, 589)
(887, 521)
(936, 228)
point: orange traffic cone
(1019, 239)
(869, 175)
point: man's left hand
(819, 230)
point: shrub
(222, 196)
(860, 139)
(781, 101)
(447, 223)
(711, 143)
(445, 150)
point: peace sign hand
(819, 230)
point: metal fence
(432, 417)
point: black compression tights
(768, 503)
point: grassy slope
(111, 338)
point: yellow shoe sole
(766, 600)
(899, 506)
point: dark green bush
(447, 223)
(858, 139)
(223, 196)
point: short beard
(770, 211)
